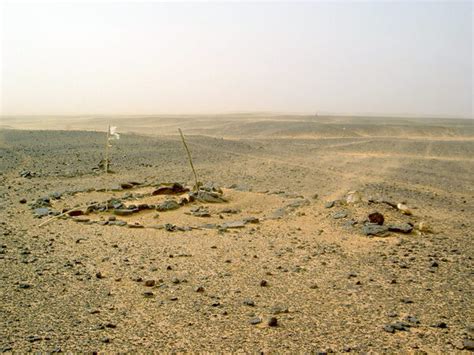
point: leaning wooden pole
(106, 162)
(196, 186)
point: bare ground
(80, 286)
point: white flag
(113, 133)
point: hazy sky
(408, 57)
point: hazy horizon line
(228, 113)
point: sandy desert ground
(288, 263)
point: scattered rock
(230, 211)
(210, 197)
(256, 320)
(400, 326)
(27, 174)
(424, 227)
(400, 228)
(249, 302)
(124, 212)
(376, 218)
(23, 200)
(234, 224)
(353, 197)
(340, 214)
(200, 211)
(468, 344)
(75, 213)
(150, 283)
(170, 189)
(263, 283)
(441, 325)
(253, 220)
(126, 185)
(170, 227)
(117, 223)
(329, 204)
(404, 209)
(272, 322)
(301, 202)
(211, 187)
(375, 229)
(168, 205)
(41, 212)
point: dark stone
(126, 185)
(329, 204)
(148, 294)
(170, 189)
(230, 211)
(150, 283)
(249, 302)
(23, 200)
(272, 322)
(123, 212)
(207, 196)
(26, 174)
(400, 228)
(74, 213)
(375, 229)
(376, 218)
(441, 325)
(199, 289)
(99, 275)
(263, 283)
(168, 205)
(170, 227)
(33, 338)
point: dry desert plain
(275, 253)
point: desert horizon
(274, 209)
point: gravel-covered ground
(304, 279)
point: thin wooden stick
(106, 163)
(190, 159)
(71, 210)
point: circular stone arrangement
(168, 206)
